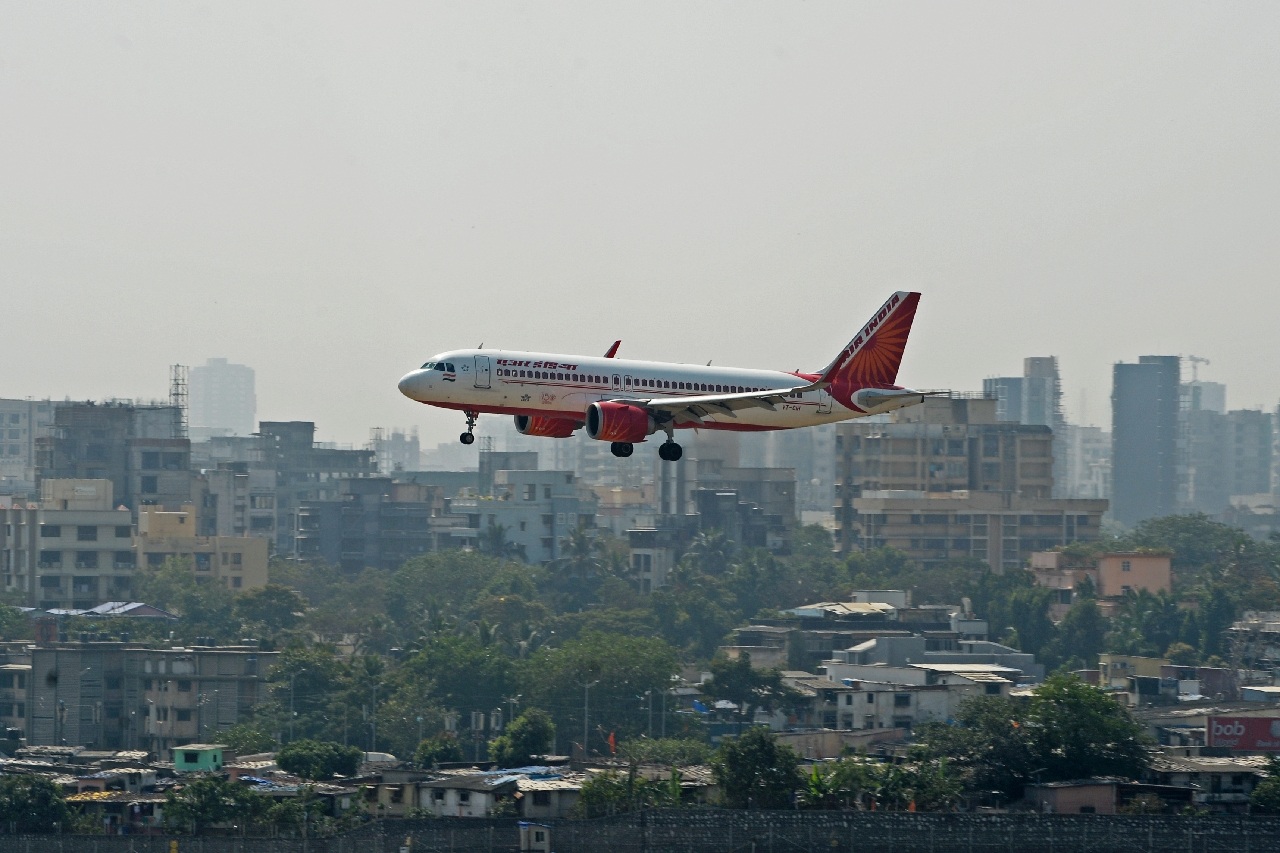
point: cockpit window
(428, 365)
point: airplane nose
(408, 383)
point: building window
(86, 533)
(150, 485)
(123, 531)
(1125, 566)
(50, 531)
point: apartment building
(373, 523)
(21, 422)
(1001, 529)
(949, 480)
(70, 550)
(536, 510)
(114, 695)
(237, 562)
(139, 448)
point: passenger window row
(662, 384)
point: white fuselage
(552, 385)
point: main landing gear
(469, 436)
(669, 451)
(621, 449)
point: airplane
(624, 401)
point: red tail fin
(871, 359)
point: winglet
(613, 350)
(871, 359)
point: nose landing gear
(469, 437)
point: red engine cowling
(545, 427)
(618, 422)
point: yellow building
(238, 562)
(1116, 670)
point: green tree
(32, 804)
(271, 610)
(493, 542)
(1265, 798)
(754, 771)
(669, 752)
(1080, 638)
(206, 608)
(319, 760)
(991, 743)
(247, 738)
(209, 801)
(528, 737)
(610, 672)
(1080, 732)
(612, 793)
(839, 784)
(437, 750)
(751, 689)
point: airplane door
(617, 382)
(824, 403)
(482, 371)
(626, 383)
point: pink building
(1112, 575)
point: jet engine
(545, 427)
(618, 422)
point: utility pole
(586, 695)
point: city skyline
(359, 190)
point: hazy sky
(332, 192)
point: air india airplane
(623, 401)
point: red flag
(613, 743)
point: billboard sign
(1246, 734)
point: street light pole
(292, 713)
(648, 695)
(586, 693)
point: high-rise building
(1249, 450)
(222, 399)
(1144, 438)
(137, 447)
(1089, 457)
(1035, 399)
(946, 480)
(21, 423)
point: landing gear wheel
(621, 449)
(468, 437)
(670, 451)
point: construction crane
(1196, 360)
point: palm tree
(711, 552)
(493, 541)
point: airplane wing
(697, 408)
